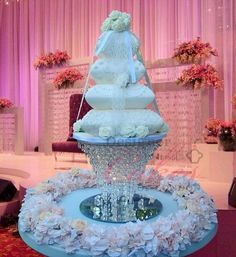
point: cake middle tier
(96, 119)
(105, 96)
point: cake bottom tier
(118, 120)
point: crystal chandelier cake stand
(119, 164)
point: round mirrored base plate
(120, 211)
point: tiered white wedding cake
(59, 213)
(119, 101)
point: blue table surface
(71, 203)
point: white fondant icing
(113, 71)
(105, 132)
(95, 119)
(119, 101)
(136, 96)
(116, 45)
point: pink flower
(67, 78)
(193, 51)
(200, 76)
(48, 60)
(213, 124)
(227, 127)
(5, 103)
(226, 124)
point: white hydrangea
(45, 214)
(79, 225)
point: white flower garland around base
(41, 216)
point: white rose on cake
(106, 25)
(141, 131)
(77, 126)
(127, 131)
(117, 21)
(115, 14)
(126, 16)
(119, 25)
(105, 132)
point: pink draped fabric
(29, 28)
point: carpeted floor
(11, 244)
(223, 245)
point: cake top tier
(116, 40)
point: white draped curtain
(29, 28)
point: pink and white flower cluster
(51, 59)
(66, 78)
(200, 76)
(211, 133)
(193, 51)
(41, 215)
(213, 124)
(5, 103)
(227, 127)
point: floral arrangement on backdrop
(193, 51)
(227, 135)
(51, 59)
(213, 125)
(212, 128)
(200, 76)
(5, 103)
(66, 78)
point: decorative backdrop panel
(54, 106)
(182, 111)
(12, 130)
(7, 132)
(185, 111)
